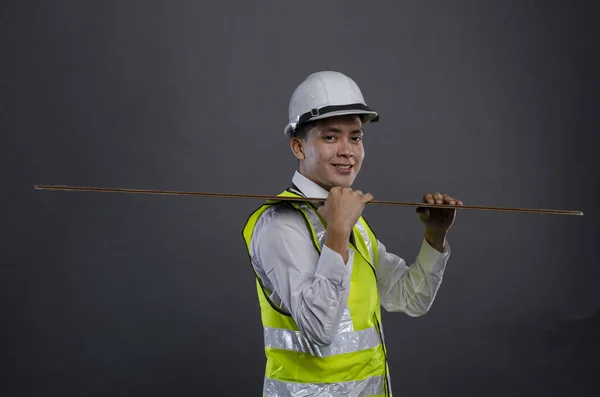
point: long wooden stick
(265, 197)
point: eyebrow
(335, 129)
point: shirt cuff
(331, 265)
(431, 260)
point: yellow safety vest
(355, 361)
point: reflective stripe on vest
(372, 386)
(346, 340)
(315, 221)
(365, 236)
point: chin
(343, 182)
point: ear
(297, 147)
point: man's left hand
(438, 220)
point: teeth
(345, 167)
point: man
(321, 274)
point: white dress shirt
(314, 288)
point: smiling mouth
(343, 167)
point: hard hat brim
(368, 116)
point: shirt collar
(308, 188)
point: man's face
(332, 152)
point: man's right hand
(341, 211)
(343, 207)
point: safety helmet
(326, 94)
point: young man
(321, 274)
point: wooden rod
(266, 197)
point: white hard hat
(326, 94)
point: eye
(329, 137)
(357, 138)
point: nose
(345, 149)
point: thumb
(321, 209)
(422, 211)
(322, 212)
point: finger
(456, 201)
(449, 200)
(367, 197)
(439, 199)
(357, 192)
(428, 198)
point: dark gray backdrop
(116, 294)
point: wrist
(436, 238)
(339, 230)
(337, 240)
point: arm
(411, 290)
(313, 288)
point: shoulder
(278, 222)
(280, 232)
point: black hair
(302, 130)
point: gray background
(118, 294)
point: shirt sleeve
(410, 289)
(312, 287)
